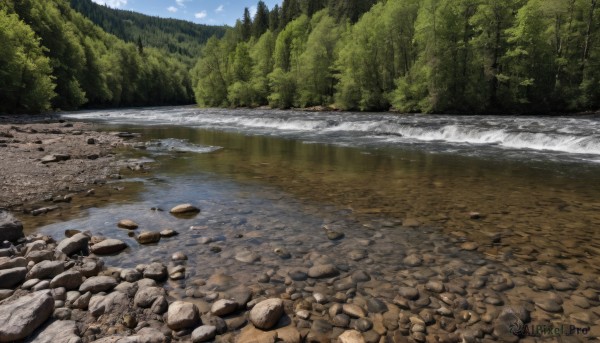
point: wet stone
(224, 307)
(435, 286)
(322, 271)
(155, 271)
(360, 276)
(267, 313)
(298, 275)
(353, 310)
(549, 305)
(127, 224)
(363, 325)
(469, 246)
(184, 209)
(375, 305)
(412, 260)
(408, 292)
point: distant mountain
(175, 36)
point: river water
(502, 211)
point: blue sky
(211, 12)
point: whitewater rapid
(556, 138)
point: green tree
(25, 77)
(261, 20)
(317, 81)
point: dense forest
(408, 55)
(52, 57)
(175, 36)
(411, 55)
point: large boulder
(10, 228)
(266, 313)
(23, 316)
(46, 269)
(12, 277)
(61, 331)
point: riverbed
(477, 214)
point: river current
(501, 211)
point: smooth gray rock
(183, 315)
(156, 271)
(46, 269)
(146, 296)
(223, 307)
(76, 244)
(322, 271)
(115, 302)
(204, 333)
(145, 335)
(8, 263)
(148, 237)
(70, 280)
(11, 229)
(98, 284)
(266, 313)
(108, 246)
(38, 256)
(61, 331)
(23, 316)
(12, 277)
(184, 208)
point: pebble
(549, 305)
(168, 233)
(148, 237)
(184, 209)
(408, 293)
(322, 271)
(351, 336)
(353, 310)
(127, 224)
(412, 260)
(178, 256)
(469, 246)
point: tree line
(409, 55)
(52, 57)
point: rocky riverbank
(47, 159)
(63, 292)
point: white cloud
(181, 3)
(201, 15)
(172, 9)
(219, 9)
(111, 3)
(252, 10)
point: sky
(210, 12)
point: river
(498, 210)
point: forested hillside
(53, 57)
(411, 55)
(175, 36)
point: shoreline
(47, 159)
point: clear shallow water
(540, 208)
